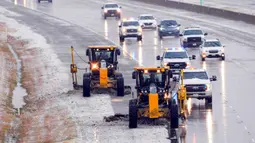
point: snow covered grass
(42, 120)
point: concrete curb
(227, 14)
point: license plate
(176, 71)
(194, 44)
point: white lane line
(253, 140)
(245, 128)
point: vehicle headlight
(118, 10)
(161, 28)
(165, 64)
(105, 11)
(140, 29)
(222, 50)
(187, 65)
(94, 66)
(124, 30)
(208, 87)
(177, 28)
(203, 54)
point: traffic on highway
(139, 72)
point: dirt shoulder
(7, 84)
(42, 119)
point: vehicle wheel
(39, 1)
(203, 59)
(133, 113)
(118, 17)
(105, 17)
(120, 86)
(122, 39)
(139, 38)
(86, 85)
(223, 58)
(50, 1)
(174, 116)
(160, 37)
(208, 100)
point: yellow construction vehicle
(153, 96)
(182, 96)
(103, 71)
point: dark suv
(168, 28)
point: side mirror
(223, 46)
(179, 24)
(158, 58)
(206, 34)
(134, 75)
(87, 52)
(120, 7)
(180, 35)
(102, 7)
(118, 52)
(213, 78)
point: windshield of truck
(175, 55)
(195, 75)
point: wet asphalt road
(229, 120)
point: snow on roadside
(42, 120)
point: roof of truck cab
(102, 47)
(194, 70)
(151, 68)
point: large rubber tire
(120, 86)
(133, 113)
(118, 16)
(86, 85)
(105, 17)
(39, 1)
(208, 100)
(223, 58)
(139, 38)
(203, 59)
(174, 116)
(122, 39)
(50, 1)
